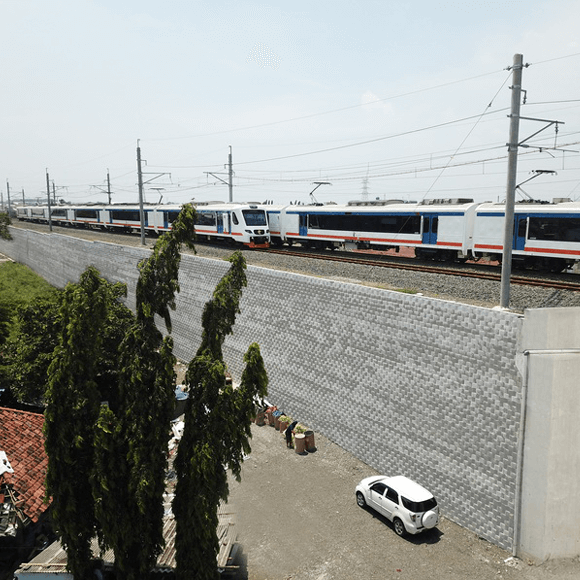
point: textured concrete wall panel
(408, 384)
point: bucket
(260, 418)
(300, 443)
(309, 440)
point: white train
(241, 223)
(546, 235)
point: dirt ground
(297, 519)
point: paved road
(297, 519)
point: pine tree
(217, 430)
(133, 433)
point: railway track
(464, 271)
(402, 264)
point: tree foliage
(4, 331)
(217, 430)
(4, 223)
(73, 402)
(31, 351)
(107, 432)
(132, 433)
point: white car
(408, 505)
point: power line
(330, 112)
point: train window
(58, 213)
(205, 218)
(434, 225)
(367, 223)
(410, 224)
(129, 215)
(87, 213)
(554, 228)
(172, 216)
(313, 222)
(235, 218)
(254, 217)
(522, 228)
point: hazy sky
(392, 99)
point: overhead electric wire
(330, 112)
(467, 136)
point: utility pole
(8, 195)
(230, 175)
(48, 196)
(109, 186)
(23, 199)
(140, 182)
(230, 181)
(508, 236)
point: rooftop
(22, 440)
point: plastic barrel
(300, 443)
(309, 439)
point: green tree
(4, 223)
(30, 351)
(4, 331)
(217, 430)
(132, 434)
(73, 402)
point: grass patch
(19, 285)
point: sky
(376, 99)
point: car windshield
(254, 217)
(419, 506)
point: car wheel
(429, 519)
(360, 500)
(399, 527)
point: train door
(303, 224)
(220, 222)
(430, 226)
(520, 228)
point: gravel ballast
(459, 289)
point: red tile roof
(22, 440)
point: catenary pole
(109, 186)
(48, 197)
(508, 236)
(231, 176)
(140, 181)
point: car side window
(393, 495)
(379, 488)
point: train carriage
(546, 236)
(438, 230)
(238, 223)
(242, 223)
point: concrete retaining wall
(410, 385)
(550, 495)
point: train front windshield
(254, 217)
